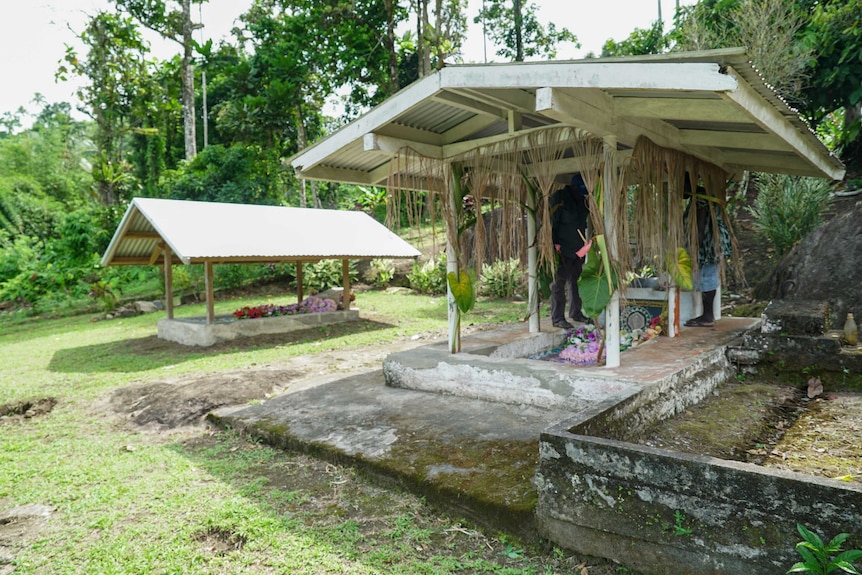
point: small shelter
(635, 128)
(164, 232)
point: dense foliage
(64, 184)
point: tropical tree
(640, 42)
(173, 21)
(118, 91)
(835, 38)
(759, 26)
(517, 33)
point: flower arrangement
(341, 299)
(311, 304)
(583, 343)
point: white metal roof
(232, 233)
(712, 104)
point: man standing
(569, 215)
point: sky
(34, 33)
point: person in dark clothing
(569, 215)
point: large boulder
(825, 266)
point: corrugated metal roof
(701, 103)
(233, 233)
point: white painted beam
(467, 104)
(693, 109)
(740, 140)
(594, 116)
(596, 74)
(330, 174)
(375, 142)
(408, 98)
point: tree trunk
(519, 32)
(852, 154)
(423, 47)
(301, 143)
(188, 79)
(394, 81)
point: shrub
(429, 277)
(380, 272)
(787, 208)
(326, 274)
(502, 279)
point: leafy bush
(502, 279)
(821, 558)
(787, 208)
(429, 277)
(380, 272)
(326, 274)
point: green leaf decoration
(463, 289)
(680, 270)
(596, 284)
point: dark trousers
(568, 272)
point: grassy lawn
(130, 500)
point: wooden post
(612, 312)
(532, 266)
(673, 311)
(208, 278)
(345, 282)
(169, 283)
(298, 282)
(453, 313)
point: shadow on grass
(146, 353)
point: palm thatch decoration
(515, 175)
(659, 228)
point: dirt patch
(185, 401)
(825, 440)
(19, 527)
(22, 410)
(217, 541)
(771, 425)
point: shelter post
(299, 281)
(609, 194)
(532, 266)
(454, 314)
(345, 280)
(208, 279)
(169, 281)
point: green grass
(131, 501)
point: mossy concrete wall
(661, 512)
(196, 332)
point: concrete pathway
(473, 456)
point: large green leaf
(594, 286)
(463, 289)
(680, 270)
